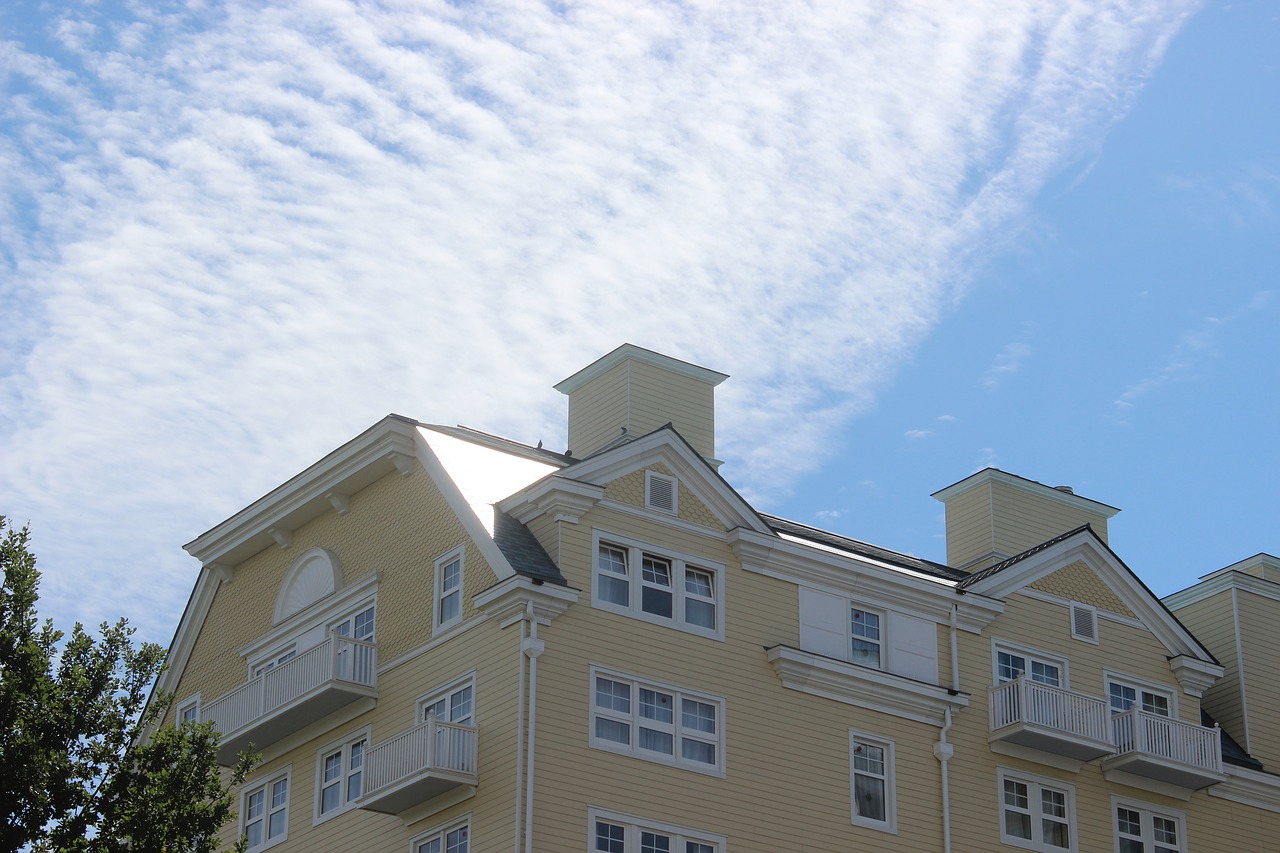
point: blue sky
(921, 241)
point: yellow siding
(969, 532)
(598, 411)
(629, 489)
(1213, 622)
(396, 527)
(1080, 583)
(1260, 639)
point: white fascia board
(695, 474)
(1223, 581)
(376, 452)
(184, 639)
(995, 475)
(801, 563)
(1086, 547)
(461, 508)
(634, 353)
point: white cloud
(1006, 363)
(240, 233)
(917, 434)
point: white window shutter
(913, 647)
(824, 623)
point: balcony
(294, 694)
(414, 766)
(1049, 719)
(1166, 750)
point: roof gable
(1060, 565)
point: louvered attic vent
(660, 492)
(1084, 622)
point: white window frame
(1030, 655)
(190, 704)
(676, 728)
(859, 741)
(1140, 686)
(649, 477)
(632, 827)
(681, 563)
(345, 772)
(447, 691)
(441, 833)
(1147, 813)
(438, 622)
(882, 623)
(265, 785)
(1035, 785)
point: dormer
(992, 515)
(631, 392)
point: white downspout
(532, 648)
(943, 751)
(524, 625)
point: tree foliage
(76, 772)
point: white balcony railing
(418, 764)
(337, 660)
(1139, 733)
(1030, 702)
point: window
(264, 812)
(274, 661)
(660, 587)
(1124, 694)
(448, 581)
(359, 626)
(871, 769)
(1143, 829)
(616, 833)
(452, 838)
(189, 710)
(1012, 662)
(340, 776)
(1035, 813)
(656, 722)
(865, 631)
(660, 492)
(452, 704)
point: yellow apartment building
(442, 641)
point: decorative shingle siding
(1079, 583)
(629, 489)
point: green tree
(76, 771)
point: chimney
(633, 391)
(992, 516)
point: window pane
(330, 797)
(1015, 794)
(656, 741)
(450, 606)
(866, 654)
(697, 847)
(652, 842)
(1044, 673)
(612, 560)
(253, 831)
(696, 750)
(868, 759)
(1154, 703)
(364, 625)
(868, 794)
(432, 846)
(613, 695)
(460, 705)
(1053, 803)
(700, 613)
(656, 601)
(451, 576)
(458, 841)
(1009, 666)
(614, 590)
(613, 730)
(610, 837)
(1130, 845)
(276, 824)
(1055, 833)
(698, 716)
(656, 571)
(697, 582)
(655, 705)
(1166, 830)
(1017, 825)
(279, 793)
(253, 805)
(1122, 697)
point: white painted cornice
(1195, 675)
(1250, 787)
(995, 475)
(508, 602)
(561, 498)
(1223, 581)
(366, 458)
(863, 687)
(634, 353)
(867, 580)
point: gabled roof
(582, 482)
(1083, 544)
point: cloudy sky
(921, 240)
